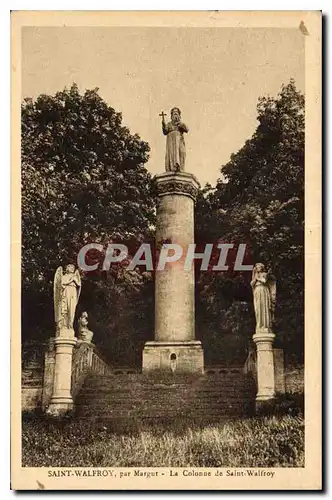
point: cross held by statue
(162, 114)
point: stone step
(216, 416)
(168, 379)
(167, 412)
(213, 418)
(169, 375)
(32, 381)
(163, 390)
(152, 411)
(148, 407)
(142, 397)
(160, 388)
(123, 401)
(152, 404)
(225, 391)
(222, 380)
(161, 402)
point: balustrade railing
(86, 359)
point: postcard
(166, 250)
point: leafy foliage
(83, 180)
(260, 201)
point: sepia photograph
(166, 250)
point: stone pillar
(265, 367)
(61, 400)
(175, 348)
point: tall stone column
(175, 348)
(265, 367)
(61, 400)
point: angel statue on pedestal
(67, 289)
(264, 292)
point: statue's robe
(69, 299)
(262, 302)
(175, 146)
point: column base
(264, 406)
(265, 397)
(59, 407)
(173, 357)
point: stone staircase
(218, 394)
(32, 375)
(32, 364)
(32, 385)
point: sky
(214, 75)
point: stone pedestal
(175, 348)
(265, 367)
(61, 401)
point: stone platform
(173, 357)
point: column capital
(182, 183)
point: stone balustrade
(86, 359)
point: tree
(260, 201)
(83, 180)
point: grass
(270, 441)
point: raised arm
(164, 127)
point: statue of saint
(84, 333)
(67, 289)
(175, 146)
(264, 292)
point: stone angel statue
(264, 293)
(67, 289)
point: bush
(290, 404)
(284, 404)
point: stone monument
(174, 349)
(67, 288)
(264, 294)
